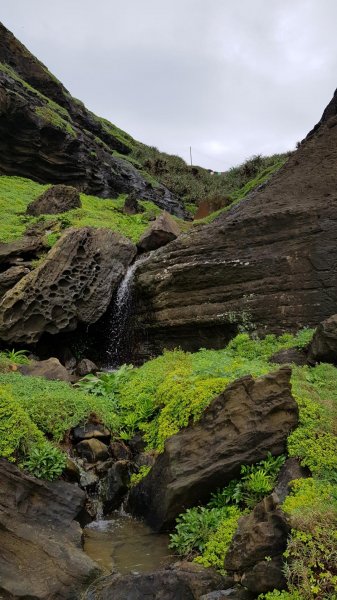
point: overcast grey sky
(231, 78)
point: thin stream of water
(120, 342)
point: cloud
(228, 78)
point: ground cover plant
(17, 192)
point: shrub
(219, 541)
(46, 461)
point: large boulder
(267, 264)
(255, 553)
(182, 581)
(57, 199)
(74, 284)
(51, 137)
(162, 231)
(249, 419)
(323, 347)
(40, 552)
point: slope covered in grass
(17, 192)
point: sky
(230, 78)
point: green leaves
(46, 461)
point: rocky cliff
(49, 136)
(268, 264)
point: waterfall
(120, 330)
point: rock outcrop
(74, 284)
(49, 136)
(257, 547)
(40, 551)
(248, 420)
(162, 231)
(183, 581)
(268, 264)
(323, 347)
(57, 199)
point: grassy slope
(16, 193)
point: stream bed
(121, 543)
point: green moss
(51, 117)
(17, 431)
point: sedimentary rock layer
(49, 136)
(269, 264)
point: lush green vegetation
(17, 192)
(205, 533)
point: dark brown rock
(25, 248)
(183, 581)
(267, 264)
(290, 471)
(255, 552)
(71, 471)
(91, 430)
(120, 451)
(131, 205)
(86, 367)
(114, 486)
(248, 420)
(92, 450)
(41, 555)
(47, 135)
(74, 284)
(48, 369)
(290, 356)
(10, 277)
(57, 199)
(162, 231)
(234, 593)
(323, 347)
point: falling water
(120, 331)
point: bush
(46, 461)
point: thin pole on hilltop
(191, 154)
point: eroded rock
(74, 284)
(162, 231)
(57, 199)
(114, 486)
(182, 581)
(86, 367)
(41, 555)
(10, 277)
(255, 552)
(92, 450)
(248, 420)
(323, 347)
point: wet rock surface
(114, 485)
(182, 581)
(255, 552)
(57, 199)
(41, 555)
(62, 143)
(248, 420)
(92, 450)
(162, 231)
(74, 284)
(267, 264)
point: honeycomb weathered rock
(74, 284)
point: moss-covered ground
(17, 192)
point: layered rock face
(268, 264)
(47, 135)
(248, 420)
(40, 554)
(74, 284)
